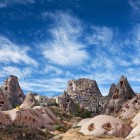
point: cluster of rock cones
(116, 114)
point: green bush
(83, 113)
(59, 128)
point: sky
(45, 43)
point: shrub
(59, 128)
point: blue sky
(48, 42)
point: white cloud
(102, 61)
(5, 3)
(101, 36)
(10, 52)
(20, 73)
(135, 4)
(48, 86)
(52, 69)
(65, 47)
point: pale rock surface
(37, 117)
(134, 134)
(29, 101)
(130, 108)
(82, 122)
(105, 125)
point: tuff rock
(13, 91)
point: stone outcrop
(122, 93)
(105, 125)
(67, 104)
(83, 86)
(84, 92)
(4, 101)
(112, 90)
(12, 90)
(29, 101)
(130, 108)
(37, 117)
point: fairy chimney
(13, 91)
(29, 101)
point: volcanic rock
(4, 101)
(29, 101)
(83, 86)
(134, 134)
(122, 93)
(67, 104)
(105, 125)
(130, 108)
(38, 117)
(112, 90)
(12, 90)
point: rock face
(37, 117)
(83, 86)
(4, 102)
(130, 108)
(84, 92)
(12, 90)
(105, 125)
(67, 104)
(112, 90)
(29, 101)
(122, 93)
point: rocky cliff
(13, 91)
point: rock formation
(112, 90)
(83, 86)
(37, 117)
(4, 102)
(12, 90)
(67, 104)
(122, 93)
(105, 125)
(130, 108)
(29, 101)
(84, 92)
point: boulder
(4, 101)
(134, 134)
(13, 91)
(135, 120)
(29, 101)
(105, 125)
(82, 122)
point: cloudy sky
(48, 42)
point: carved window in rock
(6, 88)
(121, 84)
(2, 102)
(68, 100)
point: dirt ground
(73, 134)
